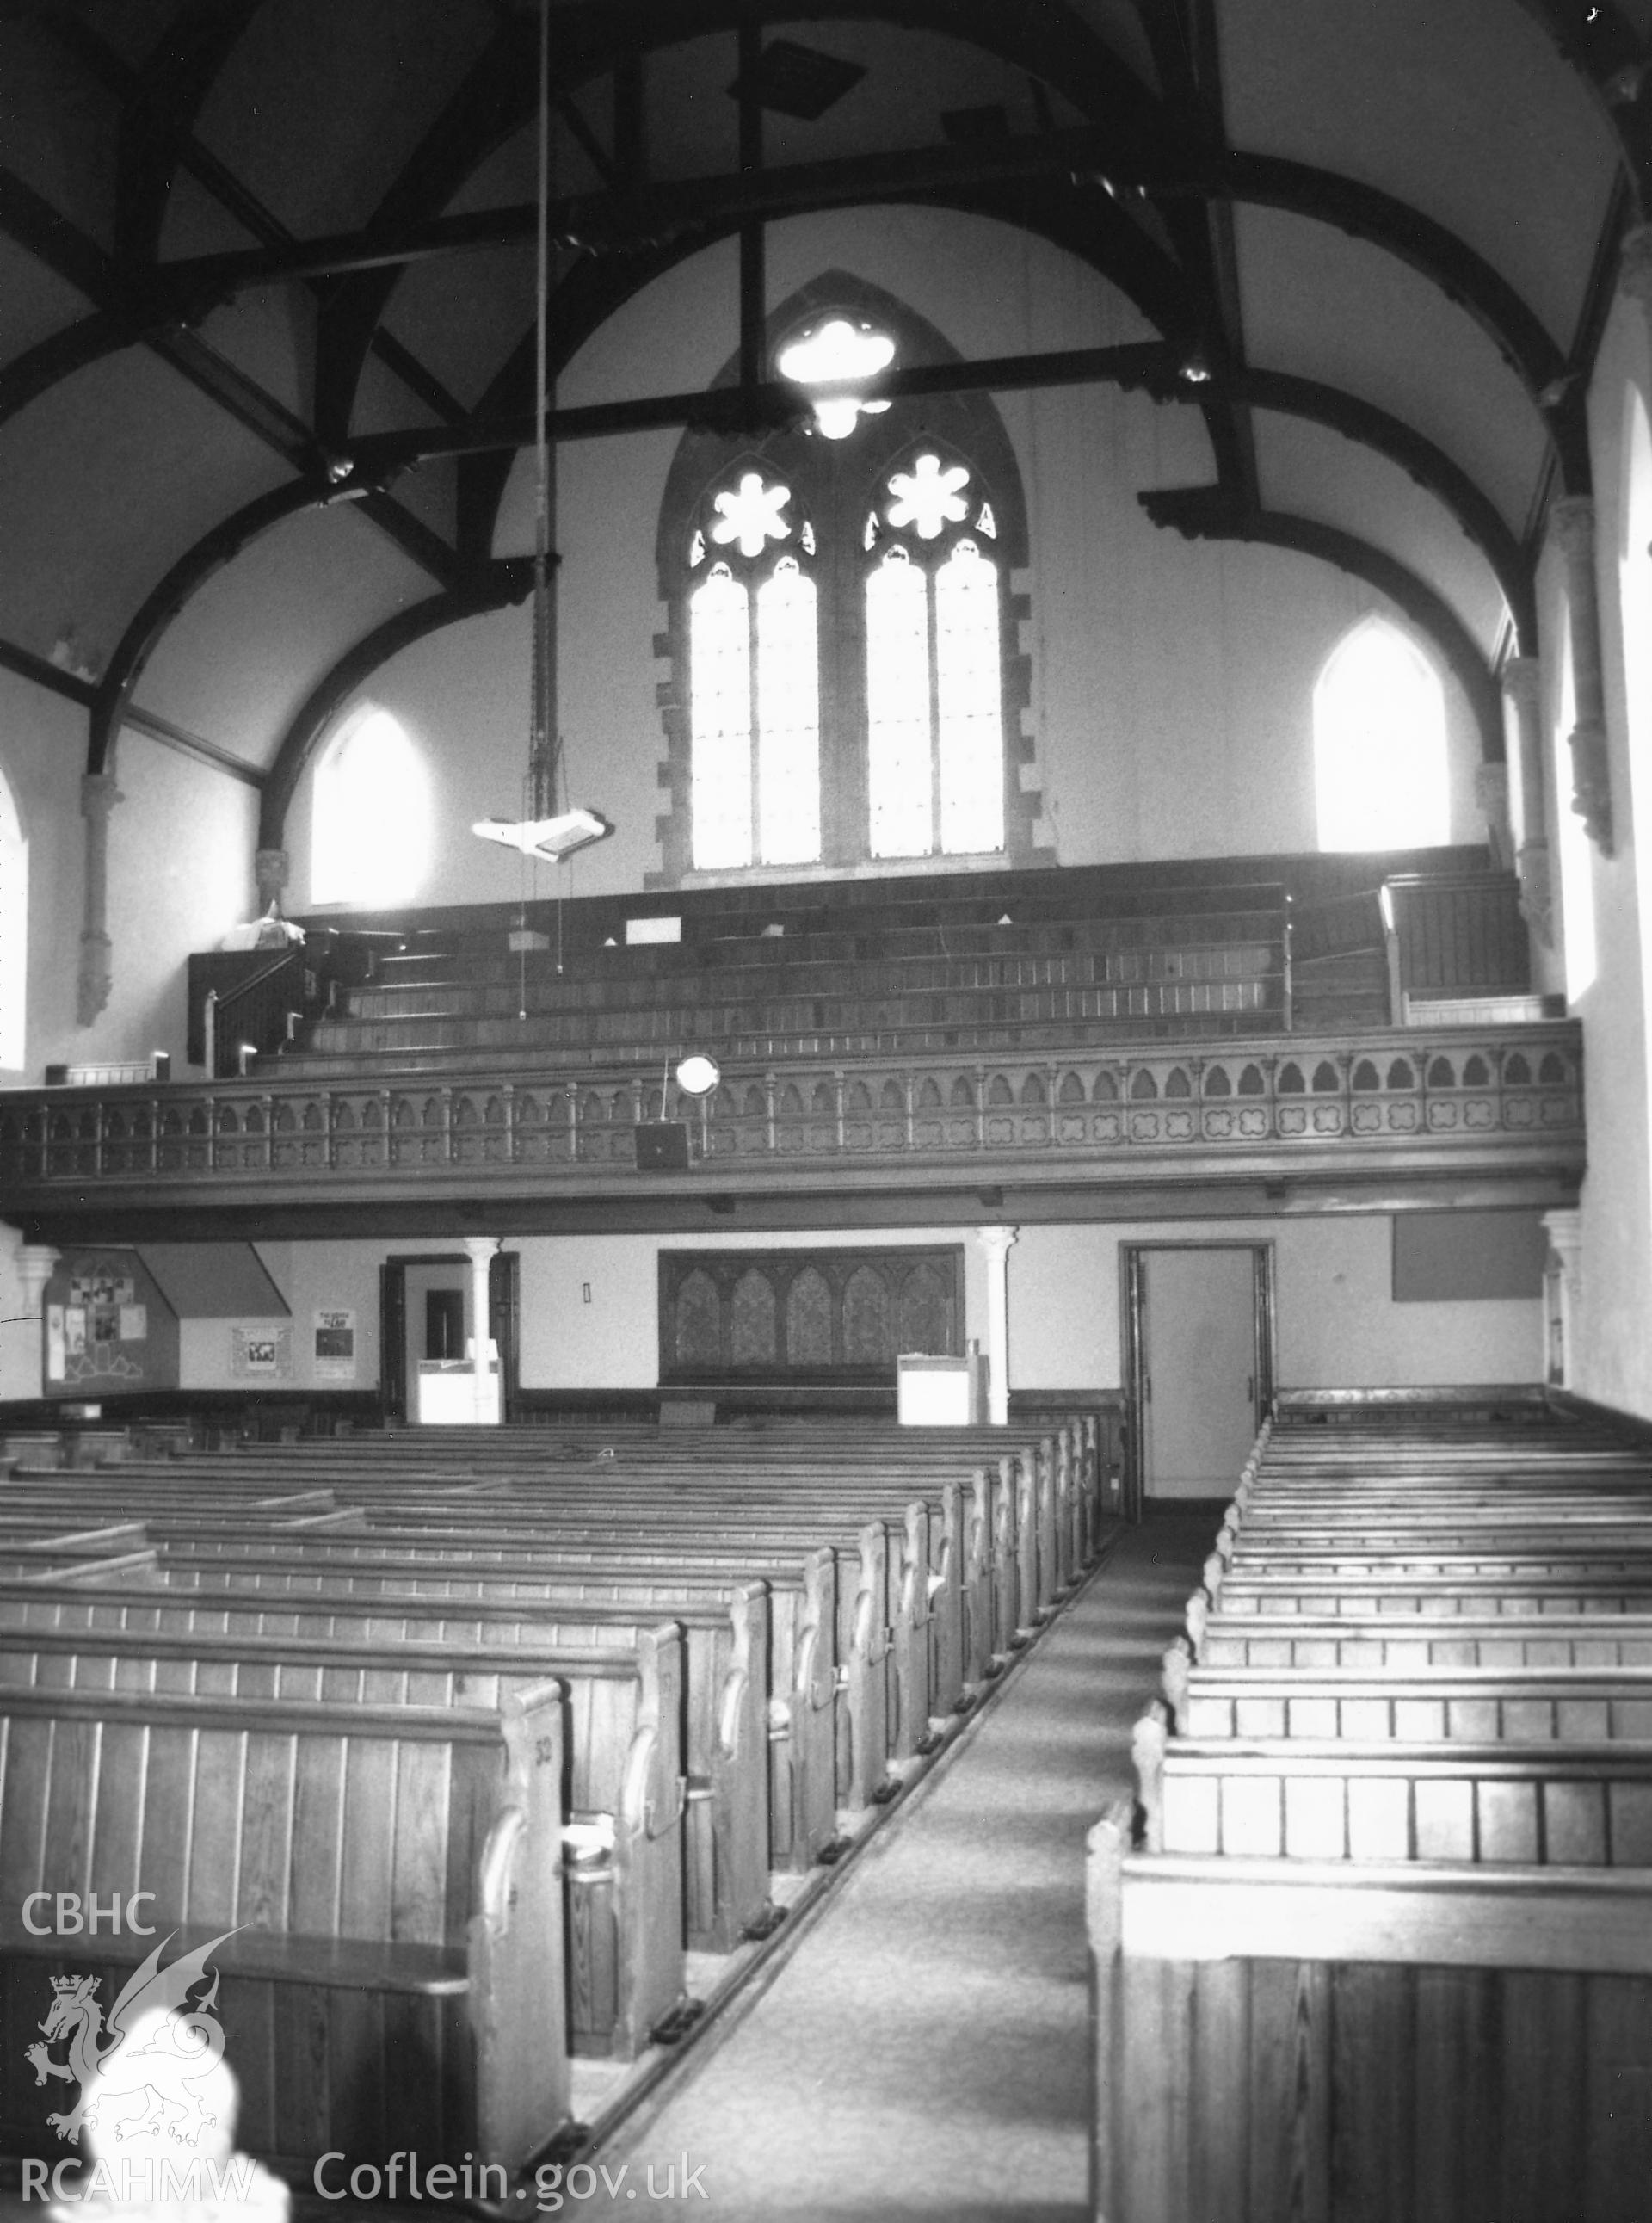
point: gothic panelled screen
(807, 1316)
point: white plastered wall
(1172, 681)
(1610, 1356)
(1337, 1322)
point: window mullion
(933, 639)
(752, 677)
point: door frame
(1133, 1329)
(504, 1284)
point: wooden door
(1199, 1369)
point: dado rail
(1500, 1100)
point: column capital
(98, 795)
(1572, 522)
(1522, 681)
(482, 1250)
(273, 868)
(1491, 794)
(1635, 265)
(996, 1239)
(36, 1263)
(1564, 1229)
(1537, 890)
(1592, 782)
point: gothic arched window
(754, 679)
(370, 830)
(846, 678)
(1381, 773)
(934, 658)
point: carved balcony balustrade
(1500, 1097)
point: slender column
(1492, 794)
(1523, 683)
(480, 1250)
(99, 795)
(1572, 521)
(995, 1243)
(1563, 1291)
(36, 1263)
(1635, 271)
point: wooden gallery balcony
(1496, 1113)
(955, 1070)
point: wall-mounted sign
(253, 1355)
(336, 1345)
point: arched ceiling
(266, 282)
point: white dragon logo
(161, 2046)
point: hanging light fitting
(544, 831)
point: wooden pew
(1297, 1640)
(1382, 1945)
(621, 1756)
(802, 1626)
(725, 1853)
(868, 1603)
(1474, 1705)
(1020, 1541)
(1328, 2039)
(1062, 1482)
(395, 1973)
(1438, 1596)
(1578, 1805)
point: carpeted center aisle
(925, 2049)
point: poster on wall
(265, 1356)
(109, 1326)
(336, 1345)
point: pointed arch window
(848, 673)
(754, 681)
(1380, 762)
(370, 832)
(934, 658)
(13, 933)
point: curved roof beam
(1429, 465)
(192, 571)
(595, 290)
(1207, 514)
(1435, 252)
(75, 347)
(1431, 248)
(159, 116)
(510, 580)
(1187, 59)
(497, 99)
(28, 219)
